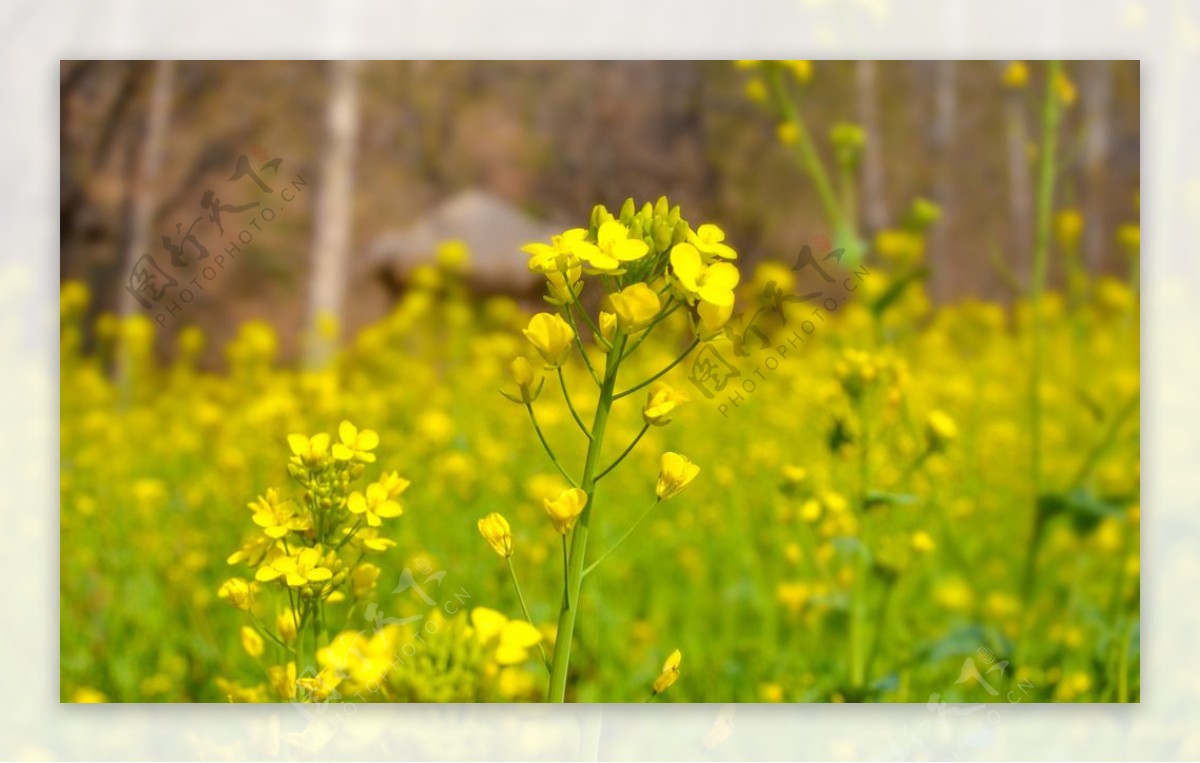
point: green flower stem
(880, 622)
(807, 151)
(268, 633)
(512, 572)
(562, 382)
(660, 374)
(621, 540)
(579, 344)
(626, 452)
(566, 620)
(546, 447)
(1037, 285)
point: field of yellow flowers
(821, 495)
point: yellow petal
(298, 443)
(348, 432)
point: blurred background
(388, 159)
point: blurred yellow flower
(1016, 75)
(277, 518)
(251, 641)
(237, 592)
(669, 674)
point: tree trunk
(334, 211)
(144, 191)
(942, 261)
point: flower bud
(529, 382)
(495, 530)
(635, 307)
(237, 592)
(565, 510)
(551, 336)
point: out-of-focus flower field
(864, 525)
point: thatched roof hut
(493, 229)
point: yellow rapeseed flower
(495, 530)
(564, 510)
(251, 641)
(669, 674)
(635, 307)
(311, 451)
(355, 444)
(661, 402)
(709, 241)
(375, 506)
(613, 248)
(551, 336)
(277, 518)
(237, 592)
(299, 570)
(713, 283)
(675, 473)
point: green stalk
(1037, 286)
(524, 609)
(566, 620)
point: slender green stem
(562, 382)
(566, 621)
(267, 632)
(1037, 286)
(591, 324)
(579, 343)
(626, 452)
(512, 572)
(807, 151)
(566, 577)
(880, 621)
(621, 540)
(660, 374)
(546, 446)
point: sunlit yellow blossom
(299, 570)
(355, 444)
(709, 240)
(676, 473)
(312, 451)
(612, 250)
(237, 592)
(551, 336)
(375, 506)
(635, 307)
(661, 402)
(495, 530)
(557, 256)
(277, 518)
(394, 484)
(709, 283)
(564, 510)
(669, 674)
(251, 641)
